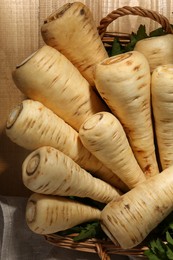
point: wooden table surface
(20, 23)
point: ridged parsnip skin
(50, 78)
(103, 135)
(47, 214)
(162, 102)
(130, 219)
(158, 50)
(72, 31)
(49, 171)
(123, 81)
(32, 125)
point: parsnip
(158, 50)
(134, 215)
(103, 135)
(32, 125)
(49, 171)
(46, 214)
(123, 81)
(72, 31)
(162, 102)
(50, 78)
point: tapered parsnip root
(130, 219)
(32, 125)
(123, 81)
(103, 135)
(49, 214)
(162, 102)
(158, 50)
(50, 78)
(49, 171)
(73, 32)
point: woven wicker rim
(136, 10)
(105, 248)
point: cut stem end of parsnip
(116, 59)
(31, 211)
(25, 60)
(13, 116)
(58, 13)
(89, 124)
(33, 165)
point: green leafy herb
(85, 231)
(89, 229)
(161, 241)
(135, 37)
(160, 250)
(157, 32)
(92, 230)
(116, 48)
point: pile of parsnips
(101, 146)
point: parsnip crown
(14, 114)
(116, 59)
(25, 60)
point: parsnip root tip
(89, 124)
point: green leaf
(116, 48)
(158, 249)
(90, 231)
(141, 33)
(169, 253)
(130, 46)
(157, 32)
(151, 255)
(169, 239)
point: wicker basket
(105, 248)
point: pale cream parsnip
(123, 81)
(72, 30)
(103, 135)
(129, 219)
(47, 214)
(49, 171)
(50, 78)
(162, 103)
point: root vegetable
(103, 135)
(158, 50)
(72, 31)
(123, 81)
(49, 171)
(46, 214)
(50, 78)
(131, 218)
(162, 102)
(32, 125)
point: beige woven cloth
(17, 242)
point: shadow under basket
(106, 248)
